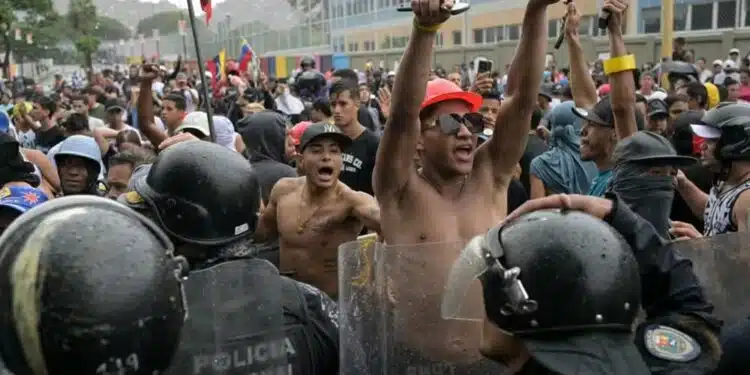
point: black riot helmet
(88, 286)
(202, 193)
(732, 120)
(579, 276)
(307, 62)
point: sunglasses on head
(450, 124)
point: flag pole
(202, 71)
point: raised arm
(145, 107)
(508, 142)
(581, 84)
(622, 82)
(398, 144)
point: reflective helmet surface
(88, 286)
(580, 272)
(202, 193)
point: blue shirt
(600, 183)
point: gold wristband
(619, 64)
(427, 29)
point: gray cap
(648, 147)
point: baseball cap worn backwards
(601, 114)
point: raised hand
(431, 12)
(616, 9)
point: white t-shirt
(95, 123)
(27, 139)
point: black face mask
(647, 195)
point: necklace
(436, 186)
(302, 224)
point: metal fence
(298, 27)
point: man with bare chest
(313, 215)
(461, 189)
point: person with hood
(79, 163)
(264, 134)
(560, 169)
(226, 136)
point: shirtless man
(313, 215)
(461, 189)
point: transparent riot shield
(722, 263)
(235, 321)
(360, 310)
(417, 339)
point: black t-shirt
(364, 118)
(359, 161)
(47, 139)
(534, 147)
(516, 195)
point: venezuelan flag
(246, 55)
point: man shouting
(461, 189)
(313, 215)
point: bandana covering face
(647, 195)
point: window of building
(552, 29)
(499, 34)
(439, 40)
(702, 17)
(348, 9)
(382, 4)
(339, 10)
(456, 37)
(584, 28)
(478, 36)
(651, 20)
(727, 17)
(680, 17)
(514, 32)
(386, 44)
(366, 45)
(489, 35)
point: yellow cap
(713, 94)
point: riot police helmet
(557, 291)
(88, 286)
(597, 284)
(201, 193)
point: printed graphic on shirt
(352, 163)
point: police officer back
(207, 199)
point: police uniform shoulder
(670, 344)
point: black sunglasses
(450, 124)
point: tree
(83, 21)
(166, 23)
(27, 15)
(110, 29)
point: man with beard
(207, 199)
(79, 163)
(725, 146)
(313, 215)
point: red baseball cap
(297, 130)
(440, 90)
